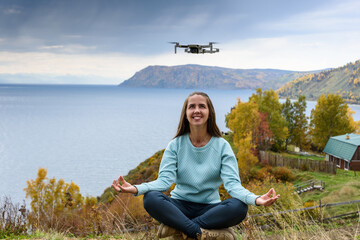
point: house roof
(341, 147)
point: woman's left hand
(266, 199)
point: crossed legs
(189, 217)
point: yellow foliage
(354, 124)
(287, 199)
(245, 156)
(356, 81)
(243, 119)
(51, 198)
(128, 208)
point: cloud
(338, 17)
(105, 43)
(297, 52)
(71, 48)
(51, 47)
(116, 66)
(12, 10)
(73, 36)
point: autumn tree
(245, 156)
(355, 124)
(243, 121)
(295, 115)
(263, 137)
(268, 102)
(330, 117)
(300, 125)
(50, 198)
(288, 113)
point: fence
(309, 185)
(297, 163)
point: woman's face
(197, 111)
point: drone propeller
(175, 46)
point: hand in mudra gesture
(124, 187)
(267, 199)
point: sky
(108, 41)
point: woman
(198, 160)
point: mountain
(206, 77)
(344, 81)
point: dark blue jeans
(189, 217)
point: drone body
(196, 48)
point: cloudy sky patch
(114, 39)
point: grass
(53, 235)
(341, 187)
(312, 157)
(248, 230)
(333, 183)
(295, 226)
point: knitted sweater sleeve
(230, 176)
(167, 172)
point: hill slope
(205, 77)
(344, 81)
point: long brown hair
(184, 126)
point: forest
(343, 81)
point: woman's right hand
(124, 187)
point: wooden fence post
(321, 217)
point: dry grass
(13, 218)
(348, 191)
(125, 218)
(296, 226)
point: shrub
(283, 174)
(312, 213)
(53, 203)
(12, 218)
(59, 206)
(287, 200)
(263, 173)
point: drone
(196, 48)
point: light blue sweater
(199, 172)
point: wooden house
(344, 151)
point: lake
(90, 134)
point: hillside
(344, 81)
(146, 171)
(205, 77)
